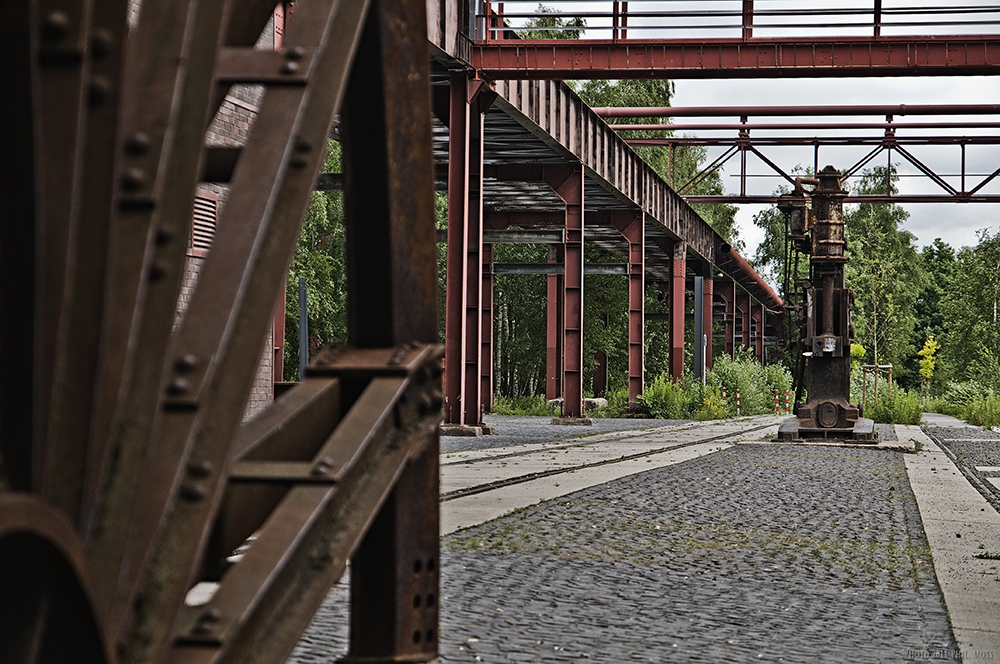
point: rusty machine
(126, 473)
(823, 312)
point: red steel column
(634, 231)
(707, 314)
(554, 328)
(474, 270)
(678, 276)
(568, 184)
(758, 350)
(486, 348)
(458, 221)
(743, 306)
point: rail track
(537, 453)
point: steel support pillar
(486, 346)
(678, 274)
(698, 339)
(758, 345)
(568, 184)
(743, 309)
(390, 224)
(633, 229)
(553, 328)
(457, 267)
(474, 269)
(727, 291)
(708, 295)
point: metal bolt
(178, 386)
(322, 467)
(290, 68)
(199, 468)
(157, 270)
(100, 42)
(186, 362)
(207, 621)
(298, 161)
(302, 145)
(193, 492)
(56, 25)
(100, 88)
(164, 234)
(138, 143)
(133, 178)
(295, 53)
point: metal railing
(645, 20)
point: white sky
(954, 223)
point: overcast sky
(955, 223)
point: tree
(970, 306)
(927, 362)
(677, 166)
(319, 258)
(552, 26)
(886, 274)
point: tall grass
(899, 407)
(970, 401)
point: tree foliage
(319, 258)
(886, 274)
(677, 166)
(550, 25)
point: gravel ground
(760, 552)
(973, 447)
(522, 430)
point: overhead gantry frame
(532, 155)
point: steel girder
(126, 472)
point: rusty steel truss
(879, 139)
(126, 475)
(683, 39)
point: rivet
(302, 145)
(156, 271)
(290, 68)
(101, 41)
(56, 25)
(178, 386)
(322, 467)
(199, 468)
(298, 161)
(138, 143)
(100, 88)
(186, 362)
(207, 621)
(193, 492)
(295, 53)
(164, 234)
(133, 178)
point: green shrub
(899, 407)
(527, 405)
(756, 384)
(983, 411)
(664, 399)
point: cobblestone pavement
(522, 429)
(974, 450)
(762, 552)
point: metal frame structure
(643, 39)
(126, 473)
(531, 155)
(886, 143)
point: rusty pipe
(748, 270)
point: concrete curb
(960, 525)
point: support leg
(677, 305)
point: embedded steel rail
(521, 479)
